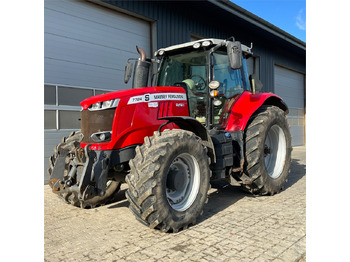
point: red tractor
(204, 119)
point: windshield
(180, 67)
(190, 71)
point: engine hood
(128, 93)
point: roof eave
(257, 21)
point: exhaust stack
(141, 70)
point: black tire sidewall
(271, 185)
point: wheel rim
(275, 151)
(183, 181)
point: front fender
(194, 126)
(241, 111)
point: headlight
(104, 105)
(161, 52)
(196, 45)
(206, 43)
(217, 102)
(101, 136)
(214, 84)
(95, 106)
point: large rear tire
(169, 180)
(267, 151)
(112, 188)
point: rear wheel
(169, 180)
(112, 187)
(267, 151)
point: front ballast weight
(94, 169)
(80, 176)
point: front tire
(169, 180)
(267, 151)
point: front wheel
(169, 180)
(267, 151)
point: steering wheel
(199, 82)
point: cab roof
(209, 41)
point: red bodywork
(238, 111)
(138, 112)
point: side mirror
(128, 71)
(234, 52)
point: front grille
(96, 121)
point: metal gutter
(257, 21)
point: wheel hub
(177, 179)
(182, 184)
(267, 150)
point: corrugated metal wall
(177, 20)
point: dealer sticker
(153, 104)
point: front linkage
(80, 176)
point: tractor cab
(212, 71)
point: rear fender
(194, 126)
(242, 110)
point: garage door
(290, 85)
(86, 49)
(88, 45)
